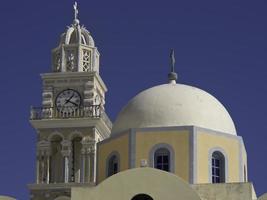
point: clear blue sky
(220, 47)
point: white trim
(55, 133)
(211, 151)
(113, 153)
(159, 146)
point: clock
(68, 101)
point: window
(113, 165)
(162, 159)
(142, 197)
(218, 167)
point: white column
(82, 166)
(66, 152)
(85, 163)
(87, 168)
(37, 170)
(92, 163)
(66, 169)
(48, 169)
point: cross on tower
(75, 7)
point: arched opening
(142, 197)
(73, 38)
(83, 39)
(162, 159)
(113, 165)
(56, 164)
(218, 167)
(62, 198)
(76, 159)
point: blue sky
(220, 47)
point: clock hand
(68, 100)
(73, 103)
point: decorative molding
(165, 146)
(55, 133)
(132, 148)
(222, 151)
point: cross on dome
(172, 75)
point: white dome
(174, 105)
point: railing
(93, 111)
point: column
(85, 159)
(66, 169)
(82, 165)
(86, 164)
(48, 168)
(37, 169)
(92, 162)
(43, 162)
(66, 152)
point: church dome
(174, 105)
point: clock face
(68, 101)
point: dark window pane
(166, 168)
(165, 159)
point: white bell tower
(71, 119)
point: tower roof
(77, 34)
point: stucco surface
(226, 191)
(125, 185)
(230, 145)
(177, 140)
(6, 198)
(174, 105)
(263, 197)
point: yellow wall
(230, 145)
(120, 145)
(179, 140)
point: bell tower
(71, 119)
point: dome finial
(172, 75)
(75, 7)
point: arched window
(162, 159)
(142, 197)
(218, 167)
(113, 165)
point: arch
(84, 39)
(62, 198)
(218, 165)
(163, 147)
(142, 197)
(74, 134)
(68, 35)
(112, 163)
(54, 134)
